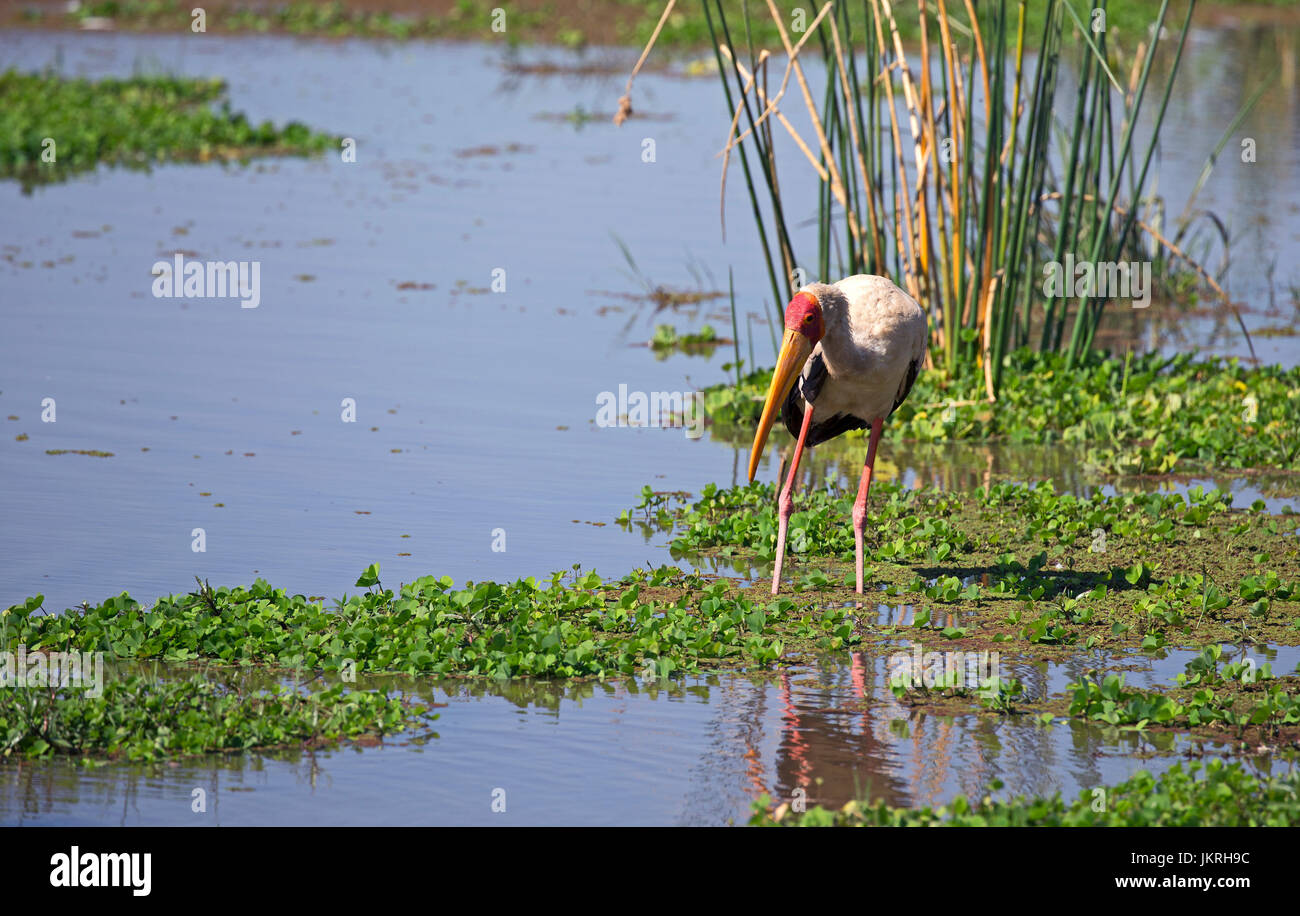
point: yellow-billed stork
(855, 348)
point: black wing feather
(810, 385)
(903, 392)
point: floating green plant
(1147, 414)
(566, 24)
(136, 718)
(666, 340)
(1224, 795)
(1270, 708)
(586, 628)
(1023, 564)
(52, 127)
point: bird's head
(804, 316)
(804, 326)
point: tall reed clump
(962, 171)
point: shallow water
(489, 399)
(695, 751)
(484, 405)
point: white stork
(860, 344)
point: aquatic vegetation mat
(667, 340)
(52, 127)
(565, 23)
(1035, 575)
(1022, 562)
(1217, 794)
(587, 627)
(136, 718)
(1274, 705)
(1021, 570)
(1141, 415)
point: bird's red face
(804, 326)
(804, 315)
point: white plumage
(875, 335)
(855, 348)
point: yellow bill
(795, 350)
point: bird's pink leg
(786, 503)
(860, 504)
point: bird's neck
(838, 342)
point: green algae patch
(52, 127)
(136, 718)
(1215, 794)
(1145, 415)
